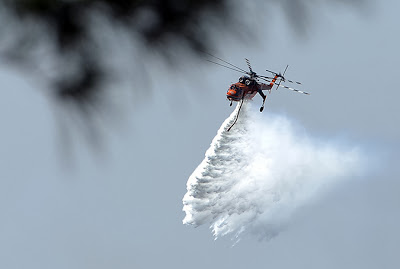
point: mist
(254, 177)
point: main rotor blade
(248, 64)
(226, 66)
(265, 77)
(292, 89)
(271, 72)
(226, 62)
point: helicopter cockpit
(247, 81)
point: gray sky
(123, 209)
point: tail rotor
(282, 78)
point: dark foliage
(66, 26)
(60, 35)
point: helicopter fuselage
(239, 91)
(246, 88)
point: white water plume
(255, 175)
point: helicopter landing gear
(264, 97)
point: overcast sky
(122, 207)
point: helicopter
(251, 83)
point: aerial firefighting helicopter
(250, 84)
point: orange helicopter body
(239, 91)
(246, 88)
